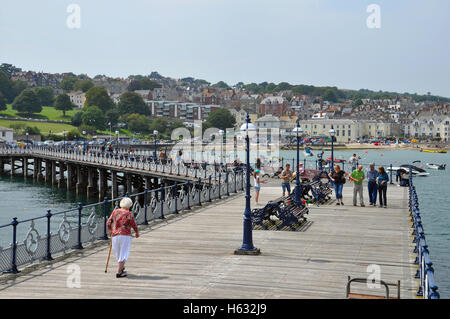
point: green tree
(89, 129)
(9, 69)
(112, 116)
(220, 118)
(222, 85)
(27, 102)
(3, 102)
(147, 84)
(45, 95)
(131, 102)
(18, 86)
(76, 119)
(6, 87)
(73, 134)
(94, 116)
(330, 96)
(133, 86)
(63, 103)
(32, 130)
(98, 96)
(358, 102)
(84, 85)
(138, 123)
(67, 83)
(160, 124)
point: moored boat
(436, 166)
(434, 151)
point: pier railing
(60, 232)
(425, 273)
(124, 160)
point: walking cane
(109, 255)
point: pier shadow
(145, 277)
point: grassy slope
(48, 112)
(56, 128)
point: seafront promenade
(191, 255)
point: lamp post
(155, 135)
(84, 140)
(64, 140)
(332, 133)
(117, 140)
(221, 143)
(298, 130)
(26, 142)
(247, 247)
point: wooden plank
(191, 256)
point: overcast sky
(317, 42)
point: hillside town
(190, 100)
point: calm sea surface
(24, 198)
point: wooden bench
(281, 213)
(350, 295)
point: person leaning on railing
(119, 225)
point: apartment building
(180, 110)
(431, 126)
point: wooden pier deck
(191, 256)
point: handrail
(425, 272)
(87, 223)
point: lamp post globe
(299, 131)
(155, 135)
(247, 247)
(332, 133)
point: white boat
(307, 152)
(416, 171)
(436, 166)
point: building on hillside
(429, 127)
(145, 94)
(275, 105)
(78, 98)
(6, 134)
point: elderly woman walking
(119, 225)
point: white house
(6, 134)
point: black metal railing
(425, 273)
(71, 229)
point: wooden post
(115, 187)
(90, 187)
(80, 180)
(54, 181)
(35, 168)
(69, 177)
(48, 170)
(12, 166)
(25, 167)
(40, 177)
(61, 175)
(102, 184)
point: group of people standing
(377, 184)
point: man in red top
(119, 225)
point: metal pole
(80, 208)
(162, 203)
(145, 206)
(14, 269)
(49, 255)
(247, 244)
(297, 178)
(105, 218)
